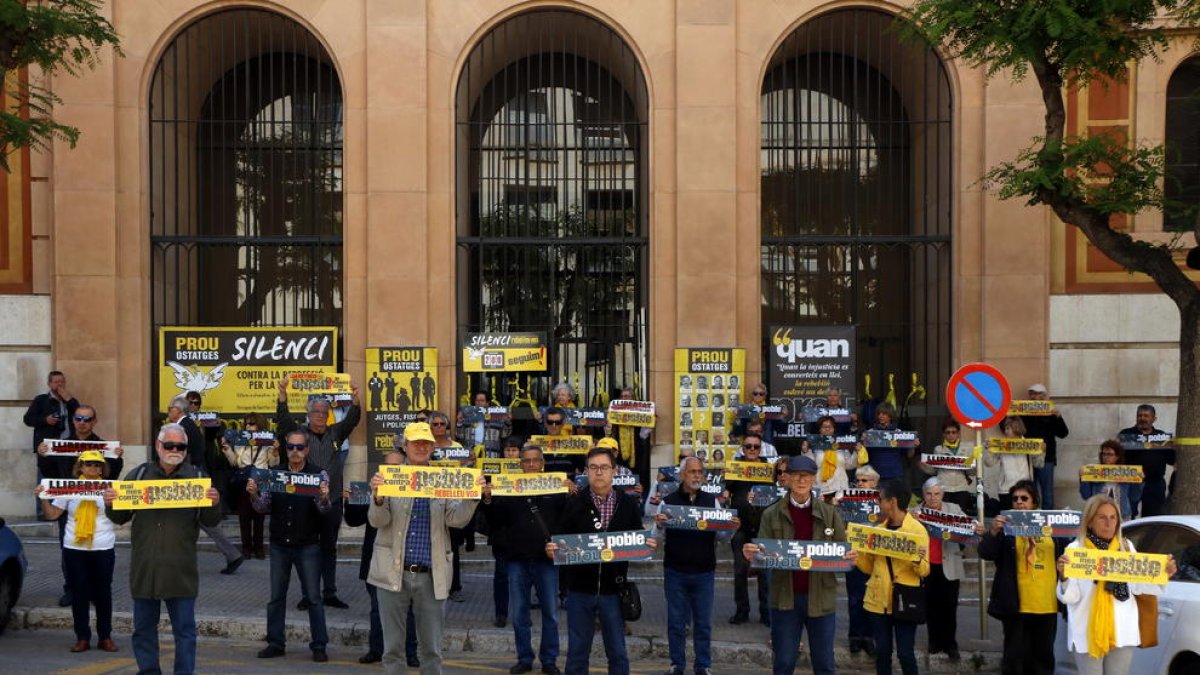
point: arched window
(551, 185)
(246, 175)
(1182, 184)
(856, 195)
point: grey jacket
(952, 559)
(392, 520)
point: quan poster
(401, 381)
(237, 370)
(708, 388)
(803, 362)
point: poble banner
(434, 482)
(602, 547)
(884, 542)
(133, 495)
(808, 556)
(1117, 566)
(528, 484)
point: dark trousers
(941, 605)
(90, 575)
(1151, 500)
(500, 582)
(307, 561)
(741, 580)
(1029, 644)
(330, 524)
(251, 522)
(860, 620)
(582, 611)
(904, 635)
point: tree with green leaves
(1087, 181)
(58, 36)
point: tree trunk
(1186, 496)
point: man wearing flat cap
(802, 601)
(411, 560)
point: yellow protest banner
(133, 495)
(1016, 446)
(1135, 568)
(434, 482)
(563, 445)
(508, 352)
(708, 392)
(528, 484)
(1031, 408)
(496, 465)
(1111, 473)
(753, 472)
(631, 413)
(881, 541)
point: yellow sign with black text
(135, 495)
(504, 352)
(434, 482)
(1111, 473)
(1133, 568)
(528, 484)
(884, 542)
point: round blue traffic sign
(978, 395)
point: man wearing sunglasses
(162, 567)
(83, 421)
(324, 439)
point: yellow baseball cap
(608, 442)
(418, 431)
(91, 456)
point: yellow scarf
(829, 464)
(1102, 625)
(626, 443)
(85, 522)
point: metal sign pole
(979, 505)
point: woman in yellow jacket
(894, 497)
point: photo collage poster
(709, 385)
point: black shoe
(336, 602)
(952, 654)
(521, 667)
(303, 604)
(414, 662)
(320, 656)
(500, 621)
(934, 650)
(234, 565)
(855, 646)
(270, 652)
(869, 647)
(551, 669)
(66, 600)
(370, 657)
(739, 618)
(765, 619)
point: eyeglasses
(1022, 498)
(297, 446)
(553, 422)
(752, 446)
(172, 445)
(84, 418)
(600, 468)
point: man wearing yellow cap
(411, 560)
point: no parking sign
(978, 395)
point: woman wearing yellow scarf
(88, 554)
(1102, 617)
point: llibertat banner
(884, 542)
(1116, 566)
(1111, 473)
(631, 413)
(61, 447)
(796, 554)
(72, 489)
(401, 381)
(859, 505)
(504, 352)
(1064, 524)
(803, 362)
(433, 482)
(178, 493)
(708, 391)
(953, 527)
(237, 369)
(949, 462)
(602, 547)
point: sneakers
(335, 602)
(234, 565)
(270, 652)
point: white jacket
(1077, 594)
(840, 480)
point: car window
(1179, 541)
(1140, 535)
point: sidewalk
(235, 607)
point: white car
(1178, 650)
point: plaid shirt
(418, 547)
(606, 506)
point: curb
(489, 640)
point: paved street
(232, 619)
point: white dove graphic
(197, 380)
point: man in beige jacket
(411, 561)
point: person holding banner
(802, 600)
(945, 571)
(459, 536)
(860, 631)
(1014, 467)
(957, 484)
(1023, 590)
(888, 461)
(88, 553)
(738, 497)
(592, 589)
(1049, 428)
(689, 573)
(1111, 452)
(1102, 616)
(162, 565)
(483, 432)
(325, 447)
(296, 523)
(834, 463)
(411, 561)
(1150, 499)
(245, 458)
(525, 524)
(887, 575)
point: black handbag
(908, 602)
(631, 599)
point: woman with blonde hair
(1102, 616)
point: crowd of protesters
(411, 549)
